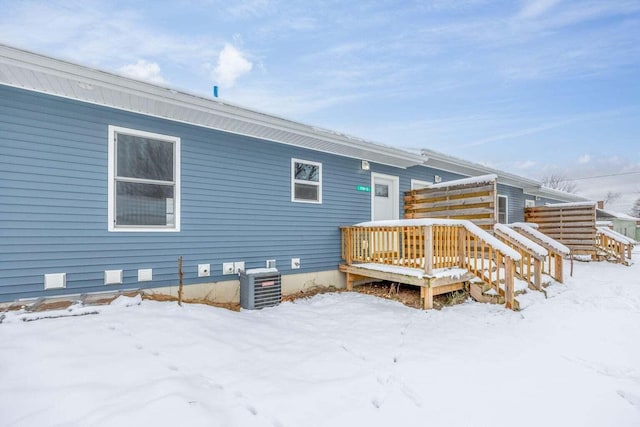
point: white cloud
(585, 158)
(232, 64)
(536, 8)
(143, 70)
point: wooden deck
(429, 286)
(429, 248)
(574, 225)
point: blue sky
(532, 87)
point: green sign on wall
(364, 188)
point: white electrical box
(55, 280)
(227, 268)
(145, 275)
(238, 267)
(112, 277)
(295, 263)
(204, 270)
(271, 263)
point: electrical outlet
(271, 263)
(204, 270)
(227, 268)
(238, 267)
(295, 263)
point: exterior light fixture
(365, 165)
(437, 178)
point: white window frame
(111, 187)
(295, 181)
(418, 182)
(506, 209)
(529, 203)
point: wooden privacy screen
(473, 201)
(572, 224)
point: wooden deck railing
(529, 268)
(556, 252)
(430, 247)
(614, 245)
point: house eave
(39, 73)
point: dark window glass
(144, 204)
(144, 158)
(307, 172)
(382, 190)
(306, 192)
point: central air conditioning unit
(259, 288)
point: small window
(306, 181)
(528, 203)
(144, 176)
(503, 216)
(382, 190)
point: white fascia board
(77, 74)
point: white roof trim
(31, 71)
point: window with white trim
(306, 181)
(503, 211)
(144, 181)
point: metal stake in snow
(180, 274)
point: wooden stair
(484, 293)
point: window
(144, 181)
(503, 216)
(306, 181)
(382, 190)
(528, 203)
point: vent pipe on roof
(215, 91)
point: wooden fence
(474, 201)
(572, 224)
(529, 268)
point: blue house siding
(515, 200)
(236, 201)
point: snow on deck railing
(468, 225)
(557, 246)
(618, 237)
(530, 245)
(482, 179)
(526, 224)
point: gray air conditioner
(259, 288)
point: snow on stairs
(481, 291)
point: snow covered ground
(334, 360)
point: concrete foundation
(229, 290)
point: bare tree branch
(611, 197)
(559, 182)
